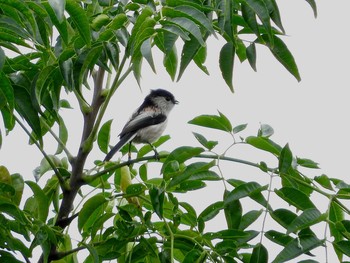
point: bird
(148, 122)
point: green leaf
(135, 190)
(265, 131)
(190, 171)
(312, 3)
(26, 109)
(259, 7)
(239, 128)
(190, 186)
(18, 185)
(170, 63)
(8, 257)
(343, 246)
(6, 92)
(307, 163)
(2, 58)
(250, 18)
(104, 136)
(259, 255)
(336, 215)
(62, 134)
(243, 190)
(89, 59)
(285, 160)
(205, 143)
(188, 26)
(98, 224)
(264, 144)
(325, 181)
(41, 201)
(283, 216)
(298, 247)
(189, 51)
(284, 56)
(192, 13)
(146, 51)
(251, 55)
(278, 237)
(80, 20)
(249, 218)
(308, 218)
(274, 13)
(7, 190)
(213, 121)
(92, 209)
(147, 12)
(157, 200)
(233, 213)
(182, 154)
(211, 211)
(295, 197)
(25, 12)
(147, 148)
(192, 256)
(58, 7)
(61, 26)
(226, 62)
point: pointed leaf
(226, 61)
(313, 5)
(202, 140)
(264, 144)
(62, 134)
(211, 211)
(285, 160)
(146, 51)
(104, 136)
(298, 247)
(295, 197)
(91, 211)
(259, 255)
(41, 200)
(212, 121)
(308, 218)
(80, 19)
(251, 55)
(157, 200)
(284, 56)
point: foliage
(122, 211)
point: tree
(98, 45)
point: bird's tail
(125, 139)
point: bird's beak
(176, 102)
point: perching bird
(148, 122)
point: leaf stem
(171, 241)
(61, 180)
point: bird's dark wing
(142, 120)
(128, 133)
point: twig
(48, 159)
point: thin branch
(48, 159)
(90, 178)
(59, 141)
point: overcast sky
(312, 116)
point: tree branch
(88, 179)
(61, 180)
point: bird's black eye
(168, 98)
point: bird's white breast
(151, 133)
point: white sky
(312, 116)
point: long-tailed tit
(148, 122)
